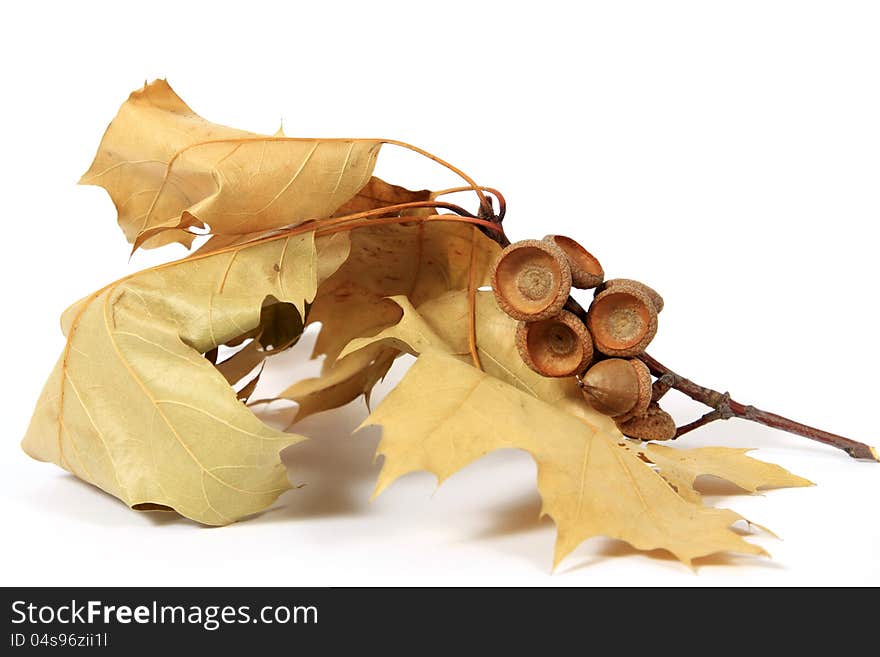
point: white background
(726, 153)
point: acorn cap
(559, 346)
(651, 292)
(655, 424)
(617, 387)
(623, 320)
(531, 280)
(586, 272)
(646, 390)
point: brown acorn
(655, 424)
(651, 292)
(559, 346)
(618, 387)
(623, 320)
(586, 272)
(531, 280)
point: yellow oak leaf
(352, 303)
(347, 380)
(681, 467)
(134, 408)
(441, 323)
(380, 194)
(242, 362)
(446, 414)
(421, 331)
(419, 262)
(278, 330)
(375, 194)
(167, 170)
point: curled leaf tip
(764, 529)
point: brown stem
(385, 221)
(726, 408)
(502, 203)
(487, 213)
(472, 304)
(711, 416)
(661, 387)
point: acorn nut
(586, 272)
(618, 387)
(623, 320)
(651, 292)
(531, 280)
(656, 424)
(559, 346)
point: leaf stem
(320, 231)
(502, 202)
(472, 304)
(485, 205)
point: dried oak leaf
(380, 194)
(342, 382)
(346, 380)
(279, 330)
(441, 323)
(167, 170)
(421, 262)
(591, 478)
(682, 467)
(445, 414)
(134, 408)
(280, 327)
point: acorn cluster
(532, 282)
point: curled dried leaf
(134, 408)
(168, 170)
